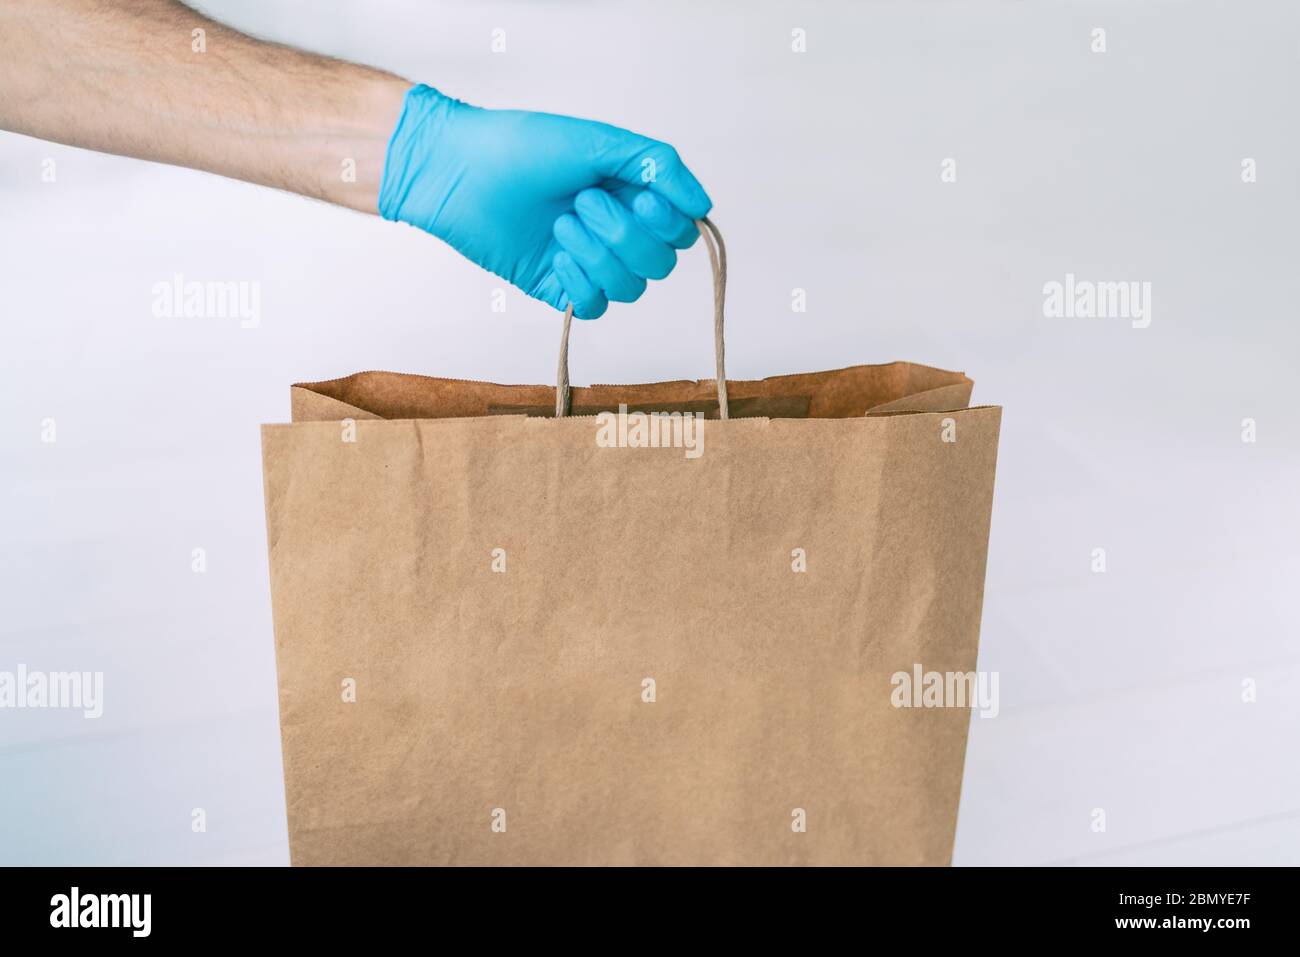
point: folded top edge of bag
(838, 393)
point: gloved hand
(568, 210)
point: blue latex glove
(568, 210)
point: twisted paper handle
(718, 261)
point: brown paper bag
(506, 638)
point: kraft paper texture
(499, 642)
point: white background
(1120, 691)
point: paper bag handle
(718, 260)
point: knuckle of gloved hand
(614, 231)
(647, 206)
(628, 290)
(565, 227)
(591, 202)
(665, 157)
(662, 266)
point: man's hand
(568, 210)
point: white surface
(1119, 690)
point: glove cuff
(424, 110)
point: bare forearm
(132, 77)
